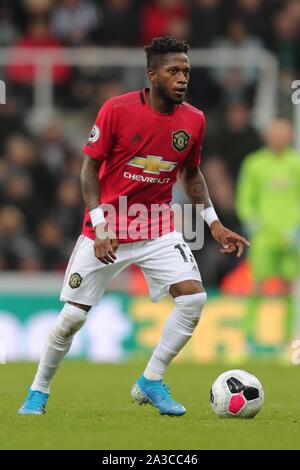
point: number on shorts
(182, 252)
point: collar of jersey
(163, 115)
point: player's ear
(151, 73)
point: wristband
(97, 216)
(209, 215)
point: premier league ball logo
(95, 134)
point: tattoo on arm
(195, 186)
(89, 182)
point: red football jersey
(141, 152)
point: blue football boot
(157, 394)
(34, 403)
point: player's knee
(69, 321)
(86, 308)
(192, 305)
(191, 302)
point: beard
(169, 101)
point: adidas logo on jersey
(137, 138)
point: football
(236, 394)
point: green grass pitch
(90, 408)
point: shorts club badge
(75, 280)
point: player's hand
(106, 244)
(230, 241)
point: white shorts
(164, 261)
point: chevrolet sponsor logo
(152, 164)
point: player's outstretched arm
(196, 190)
(89, 182)
(105, 242)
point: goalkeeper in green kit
(268, 204)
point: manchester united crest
(180, 140)
(75, 280)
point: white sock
(68, 322)
(177, 331)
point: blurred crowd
(40, 159)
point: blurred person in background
(16, 246)
(26, 10)
(73, 163)
(74, 21)
(157, 17)
(293, 7)
(36, 7)
(236, 83)
(21, 156)
(119, 24)
(75, 125)
(179, 28)
(53, 248)
(22, 74)
(8, 30)
(207, 19)
(285, 43)
(53, 148)
(18, 191)
(234, 137)
(268, 204)
(89, 89)
(254, 13)
(11, 120)
(68, 208)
